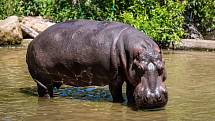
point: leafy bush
(161, 21)
(62, 10)
(202, 14)
(8, 8)
(45, 8)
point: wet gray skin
(151, 91)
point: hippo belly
(68, 52)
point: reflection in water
(190, 84)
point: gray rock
(32, 26)
(193, 32)
(210, 35)
(10, 31)
(197, 44)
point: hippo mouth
(151, 102)
(146, 99)
(151, 92)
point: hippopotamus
(98, 53)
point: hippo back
(78, 51)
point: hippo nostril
(146, 99)
(159, 98)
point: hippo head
(149, 74)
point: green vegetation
(162, 20)
(202, 14)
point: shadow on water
(30, 91)
(81, 93)
(85, 93)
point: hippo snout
(149, 99)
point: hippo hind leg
(44, 90)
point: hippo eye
(143, 62)
(160, 70)
(160, 67)
(139, 67)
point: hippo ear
(138, 67)
(161, 54)
(132, 75)
(157, 48)
(135, 64)
(164, 74)
(136, 53)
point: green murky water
(191, 86)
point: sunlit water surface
(191, 86)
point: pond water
(191, 86)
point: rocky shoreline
(196, 44)
(14, 30)
(19, 32)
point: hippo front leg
(130, 94)
(115, 87)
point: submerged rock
(10, 31)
